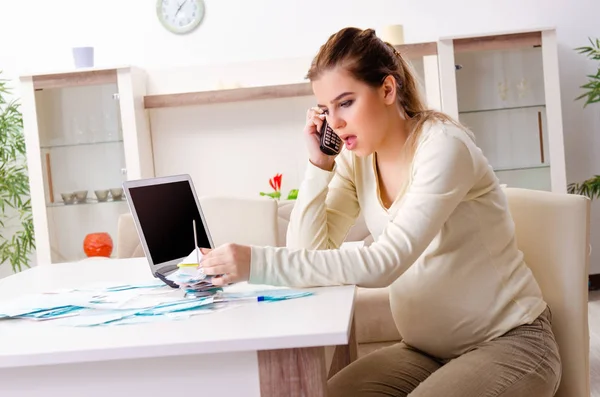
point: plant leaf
(15, 203)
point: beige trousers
(524, 362)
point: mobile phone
(329, 142)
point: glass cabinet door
(83, 167)
(501, 98)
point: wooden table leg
(344, 354)
(293, 372)
(302, 372)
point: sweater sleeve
(443, 173)
(326, 207)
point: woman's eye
(345, 104)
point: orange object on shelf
(98, 244)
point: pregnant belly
(445, 317)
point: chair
(553, 232)
(249, 221)
(230, 220)
(128, 241)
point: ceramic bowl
(116, 193)
(81, 196)
(101, 195)
(68, 198)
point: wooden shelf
(498, 42)
(74, 79)
(409, 51)
(416, 50)
(61, 78)
(229, 95)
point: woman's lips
(350, 141)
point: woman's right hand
(314, 120)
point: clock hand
(181, 5)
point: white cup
(83, 57)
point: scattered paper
(147, 301)
(91, 318)
(191, 278)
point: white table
(255, 349)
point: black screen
(165, 212)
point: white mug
(83, 57)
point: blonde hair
(370, 60)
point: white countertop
(320, 320)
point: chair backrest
(128, 242)
(247, 221)
(553, 232)
(241, 220)
(358, 232)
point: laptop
(164, 210)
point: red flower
(275, 182)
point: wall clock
(180, 16)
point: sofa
(552, 230)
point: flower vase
(98, 244)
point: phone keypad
(331, 144)
(331, 140)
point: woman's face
(357, 112)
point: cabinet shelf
(501, 109)
(85, 130)
(90, 201)
(65, 145)
(523, 168)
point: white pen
(196, 242)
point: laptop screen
(165, 213)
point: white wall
(229, 148)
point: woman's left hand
(229, 261)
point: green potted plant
(16, 222)
(591, 186)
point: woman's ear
(388, 90)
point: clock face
(180, 16)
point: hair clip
(396, 52)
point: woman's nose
(336, 122)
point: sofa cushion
(249, 221)
(358, 232)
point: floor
(594, 320)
